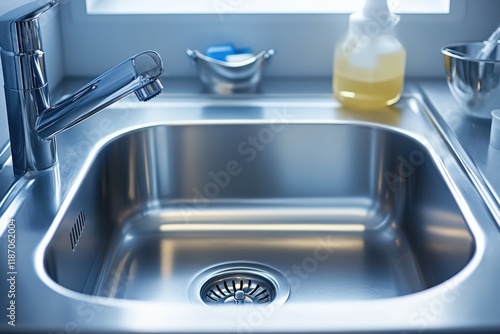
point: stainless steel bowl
(474, 83)
(230, 77)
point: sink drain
(240, 284)
(238, 288)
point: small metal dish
(230, 77)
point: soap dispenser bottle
(369, 62)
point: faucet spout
(139, 74)
(33, 121)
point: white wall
(304, 44)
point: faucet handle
(22, 27)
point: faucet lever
(33, 121)
(23, 28)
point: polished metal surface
(33, 121)
(365, 216)
(230, 77)
(471, 141)
(475, 83)
(139, 74)
(196, 196)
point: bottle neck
(373, 23)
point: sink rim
(485, 235)
(411, 135)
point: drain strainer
(238, 289)
(239, 284)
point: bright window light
(257, 6)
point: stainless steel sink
(243, 215)
(342, 211)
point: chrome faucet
(33, 121)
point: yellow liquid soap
(365, 88)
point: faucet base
(29, 151)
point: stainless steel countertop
(472, 135)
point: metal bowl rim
(449, 51)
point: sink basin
(268, 214)
(318, 212)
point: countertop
(473, 137)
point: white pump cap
(374, 19)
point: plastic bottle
(369, 63)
